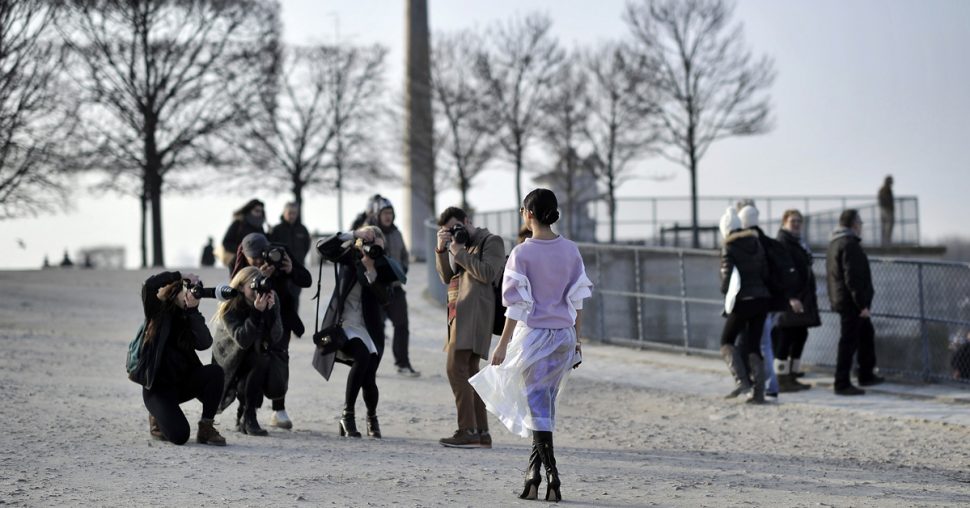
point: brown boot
(154, 430)
(208, 434)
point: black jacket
(295, 237)
(299, 277)
(847, 273)
(171, 353)
(805, 290)
(235, 234)
(743, 250)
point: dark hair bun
(550, 217)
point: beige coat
(472, 326)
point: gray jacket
(237, 333)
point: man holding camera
(278, 265)
(469, 260)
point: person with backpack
(162, 359)
(469, 260)
(791, 329)
(543, 287)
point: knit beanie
(729, 221)
(749, 217)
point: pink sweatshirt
(545, 283)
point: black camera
(197, 289)
(373, 251)
(274, 254)
(221, 292)
(459, 234)
(261, 284)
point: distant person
(469, 260)
(87, 261)
(887, 210)
(524, 234)
(171, 372)
(850, 293)
(66, 262)
(543, 288)
(208, 255)
(747, 301)
(47, 262)
(248, 219)
(791, 329)
(246, 328)
(292, 233)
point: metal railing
(669, 298)
(644, 220)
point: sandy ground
(645, 433)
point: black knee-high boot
(532, 475)
(548, 457)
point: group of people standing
(770, 303)
(540, 286)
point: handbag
(333, 337)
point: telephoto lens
(221, 293)
(373, 251)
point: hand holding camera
(264, 301)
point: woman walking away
(364, 280)
(247, 326)
(168, 369)
(543, 287)
(744, 275)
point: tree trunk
(695, 233)
(419, 174)
(518, 175)
(463, 185)
(155, 189)
(144, 223)
(611, 204)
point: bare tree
(466, 140)
(707, 84)
(619, 128)
(36, 119)
(516, 67)
(318, 132)
(163, 78)
(565, 112)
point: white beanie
(749, 217)
(729, 221)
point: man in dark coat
(887, 210)
(850, 293)
(290, 272)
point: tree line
(161, 96)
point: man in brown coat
(469, 260)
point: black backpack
(498, 319)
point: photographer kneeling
(246, 328)
(364, 279)
(284, 272)
(168, 368)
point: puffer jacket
(847, 273)
(743, 250)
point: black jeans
(789, 342)
(397, 312)
(363, 374)
(748, 316)
(279, 403)
(858, 338)
(256, 379)
(162, 401)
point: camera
(459, 234)
(274, 254)
(373, 251)
(261, 284)
(220, 293)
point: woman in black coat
(169, 370)
(364, 278)
(791, 331)
(248, 219)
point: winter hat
(254, 244)
(378, 204)
(748, 216)
(729, 221)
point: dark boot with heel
(732, 357)
(548, 457)
(249, 424)
(373, 427)
(758, 374)
(533, 477)
(348, 425)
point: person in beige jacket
(469, 260)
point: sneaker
(462, 439)
(209, 435)
(484, 439)
(408, 371)
(154, 430)
(850, 390)
(281, 420)
(872, 381)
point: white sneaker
(281, 420)
(407, 372)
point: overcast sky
(864, 89)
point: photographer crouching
(283, 271)
(247, 327)
(166, 364)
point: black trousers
(363, 374)
(748, 316)
(858, 338)
(162, 401)
(397, 312)
(789, 343)
(256, 378)
(279, 403)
